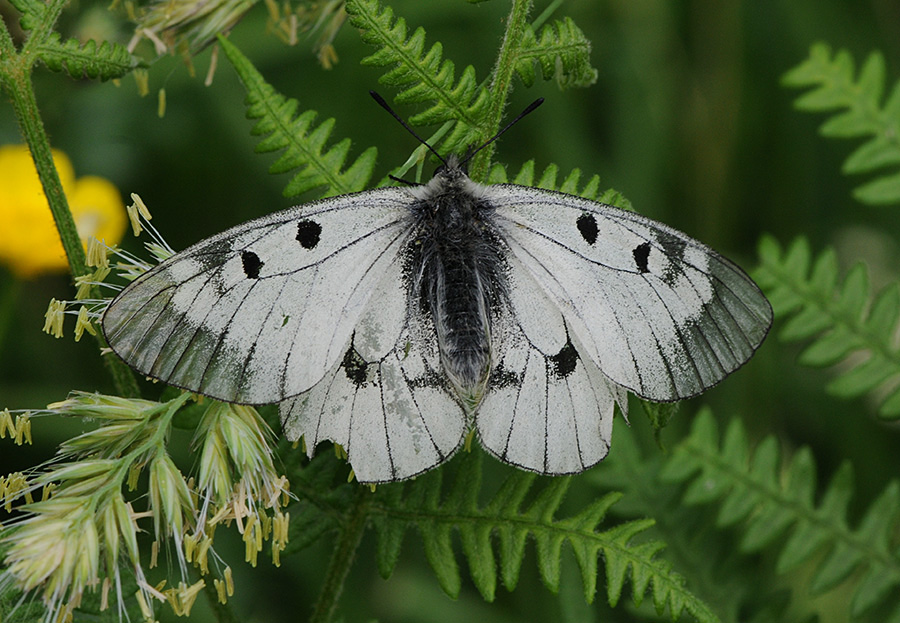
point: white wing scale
(389, 407)
(657, 311)
(261, 312)
(547, 413)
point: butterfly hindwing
(249, 315)
(549, 409)
(393, 411)
(658, 312)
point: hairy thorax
(458, 276)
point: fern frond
(562, 52)
(769, 499)
(836, 88)
(846, 324)
(303, 141)
(320, 503)
(423, 76)
(34, 12)
(570, 184)
(693, 546)
(106, 61)
(437, 511)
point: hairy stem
(501, 82)
(25, 106)
(15, 78)
(342, 558)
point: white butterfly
(393, 320)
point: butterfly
(393, 321)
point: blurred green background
(687, 119)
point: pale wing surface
(391, 409)
(547, 411)
(657, 311)
(261, 312)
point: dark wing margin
(658, 312)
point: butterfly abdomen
(458, 265)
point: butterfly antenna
(381, 102)
(528, 110)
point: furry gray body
(457, 270)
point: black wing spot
(355, 367)
(641, 254)
(587, 225)
(308, 233)
(251, 263)
(674, 249)
(564, 362)
(501, 377)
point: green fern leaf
(320, 503)
(782, 501)
(303, 142)
(424, 77)
(106, 61)
(735, 591)
(33, 12)
(835, 88)
(841, 319)
(438, 511)
(562, 52)
(571, 184)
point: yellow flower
(31, 243)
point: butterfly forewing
(261, 312)
(658, 312)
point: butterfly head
(450, 180)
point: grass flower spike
(78, 538)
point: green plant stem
(15, 78)
(501, 82)
(7, 49)
(342, 558)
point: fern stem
(15, 77)
(501, 83)
(40, 29)
(25, 106)
(7, 49)
(342, 558)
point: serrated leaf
(786, 504)
(562, 52)
(438, 510)
(304, 143)
(862, 114)
(87, 60)
(839, 316)
(806, 323)
(879, 152)
(423, 77)
(862, 378)
(830, 348)
(882, 191)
